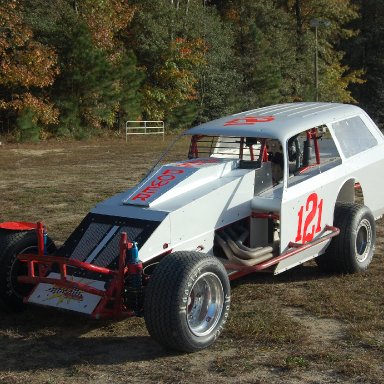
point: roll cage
(257, 150)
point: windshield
(250, 150)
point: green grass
(301, 327)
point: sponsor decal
(160, 181)
(64, 294)
(249, 120)
(309, 223)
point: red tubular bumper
(18, 226)
(113, 295)
(49, 261)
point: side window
(310, 153)
(354, 136)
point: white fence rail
(144, 127)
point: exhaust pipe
(239, 249)
(258, 255)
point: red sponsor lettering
(249, 120)
(159, 183)
(150, 189)
(162, 180)
(142, 196)
(167, 178)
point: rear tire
(352, 250)
(187, 301)
(13, 243)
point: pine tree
(368, 53)
(275, 46)
(186, 53)
(335, 76)
(99, 79)
(263, 49)
(88, 90)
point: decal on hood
(167, 178)
(162, 181)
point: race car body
(266, 189)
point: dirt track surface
(301, 327)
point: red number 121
(312, 208)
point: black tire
(13, 243)
(352, 250)
(176, 311)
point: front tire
(352, 250)
(13, 243)
(187, 301)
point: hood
(173, 180)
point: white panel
(67, 298)
(300, 258)
(367, 169)
(158, 243)
(194, 224)
(307, 208)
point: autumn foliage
(81, 67)
(27, 67)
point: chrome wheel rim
(205, 304)
(363, 240)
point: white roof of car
(280, 121)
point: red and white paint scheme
(249, 120)
(173, 180)
(262, 190)
(157, 186)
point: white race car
(266, 189)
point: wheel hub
(205, 304)
(363, 240)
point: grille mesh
(97, 238)
(92, 236)
(111, 251)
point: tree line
(80, 67)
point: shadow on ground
(46, 339)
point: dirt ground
(303, 326)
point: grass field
(299, 327)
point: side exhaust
(235, 250)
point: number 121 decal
(309, 219)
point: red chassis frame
(114, 293)
(293, 249)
